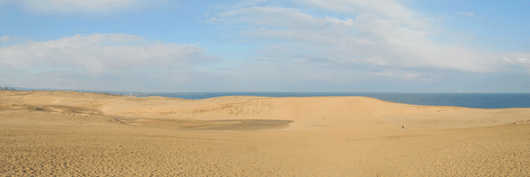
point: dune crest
(307, 113)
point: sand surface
(73, 134)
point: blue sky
(260, 45)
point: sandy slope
(71, 133)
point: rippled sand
(70, 133)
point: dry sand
(73, 134)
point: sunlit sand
(72, 133)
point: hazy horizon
(266, 46)
(271, 92)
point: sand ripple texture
(84, 134)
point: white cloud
(246, 3)
(383, 34)
(279, 17)
(403, 45)
(467, 14)
(513, 61)
(5, 39)
(371, 61)
(386, 74)
(81, 5)
(100, 53)
(525, 62)
(412, 75)
(301, 36)
(508, 60)
(383, 41)
(387, 8)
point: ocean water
(470, 100)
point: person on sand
(402, 127)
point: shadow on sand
(233, 124)
(246, 124)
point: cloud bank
(5, 38)
(68, 6)
(99, 53)
(381, 37)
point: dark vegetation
(7, 88)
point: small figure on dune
(402, 127)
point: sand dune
(73, 133)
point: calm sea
(471, 100)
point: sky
(266, 46)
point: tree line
(7, 88)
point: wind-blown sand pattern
(71, 133)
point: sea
(470, 100)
